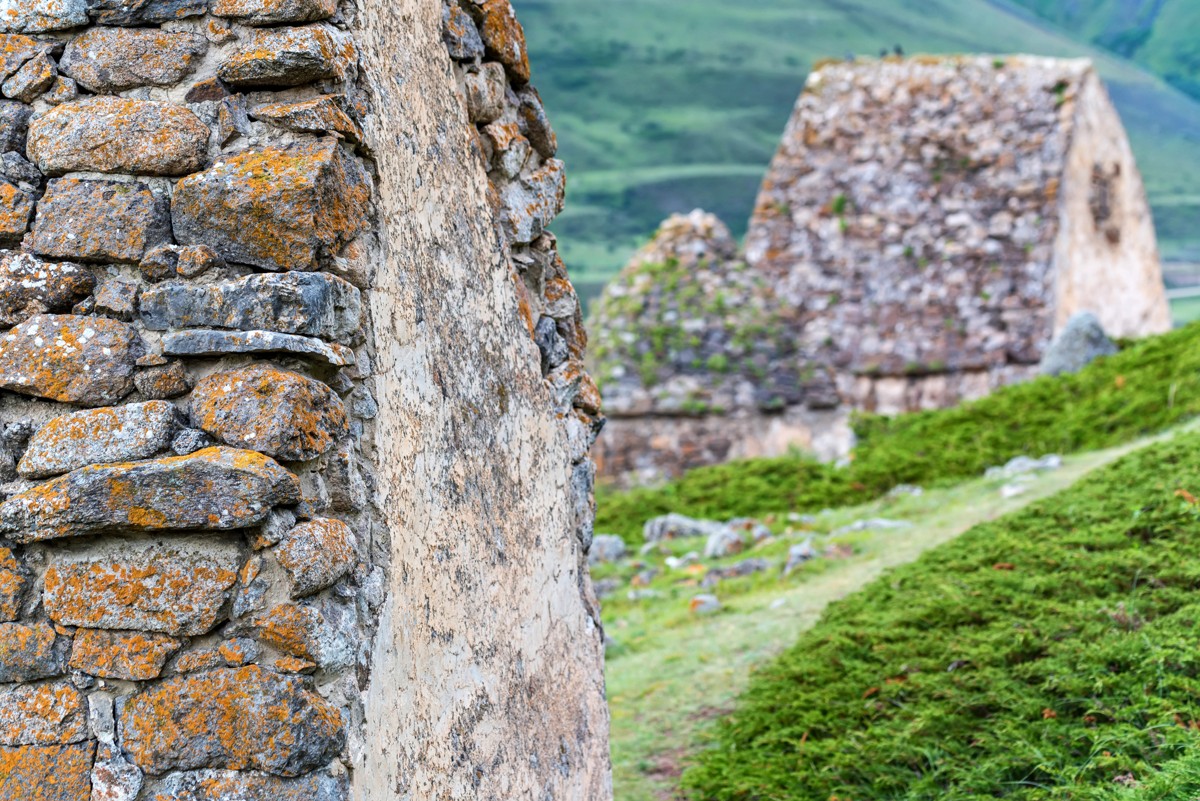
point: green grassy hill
(667, 105)
(1161, 35)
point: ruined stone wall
(295, 430)
(925, 229)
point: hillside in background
(1161, 35)
(663, 106)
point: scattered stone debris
(872, 524)
(906, 491)
(704, 605)
(681, 562)
(606, 548)
(746, 567)
(723, 542)
(1024, 465)
(676, 526)
(798, 555)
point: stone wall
(295, 430)
(925, 229)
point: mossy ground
(1049, 655)
(1147, 387)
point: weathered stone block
(212, 489)
(309, 304)
(536, 124)
(82, 360)
(317, 555)
(239, 719)
(222, 343)
(274, 12)
(531, 203)
(221, 785)
(15, 51)
(177, 590)
(29, 286)
(14, 582)
(63, 90)
(117, 297)
(163, 381)
(275, 208)
(42, 714)
(99, 436)
(16, 208)
(14, 125)
(317, 116)
(47, 773)
(96, 220)
(35, 77)
(276, 412)
(322, 634)
(108, 60)
(460, 34)
(116, 779)
(39, 16)
(117, 134)
(485, 90)
(505, 38)
(145, 12)
(126, 655)
(281, 57)
(196, 260)
(31, 652)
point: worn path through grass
(670, 673)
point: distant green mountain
(1161, 35)
(668, 105)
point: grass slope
(1049, 655)
(670, 674)
(664, 106)
(1146, 388)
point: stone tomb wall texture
(295, 436)
(925, 228)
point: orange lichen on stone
(215, 488)
(278, 412)
(128, 655)
(319, 115)
(47, 773)
(42, 714)
(118, 134)
(241, 719)
(275, 208)
(505, 38)
(14, 581)
(154, 589)
(30, 652)
(289, 628)
(84, 360)
(317, 555)
(108, 60)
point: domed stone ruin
(925, 229)
(296, 429)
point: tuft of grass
(1047, 655)
(1146, 388)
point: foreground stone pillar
(297, 494)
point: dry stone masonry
(296, 492)
(926, 228)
